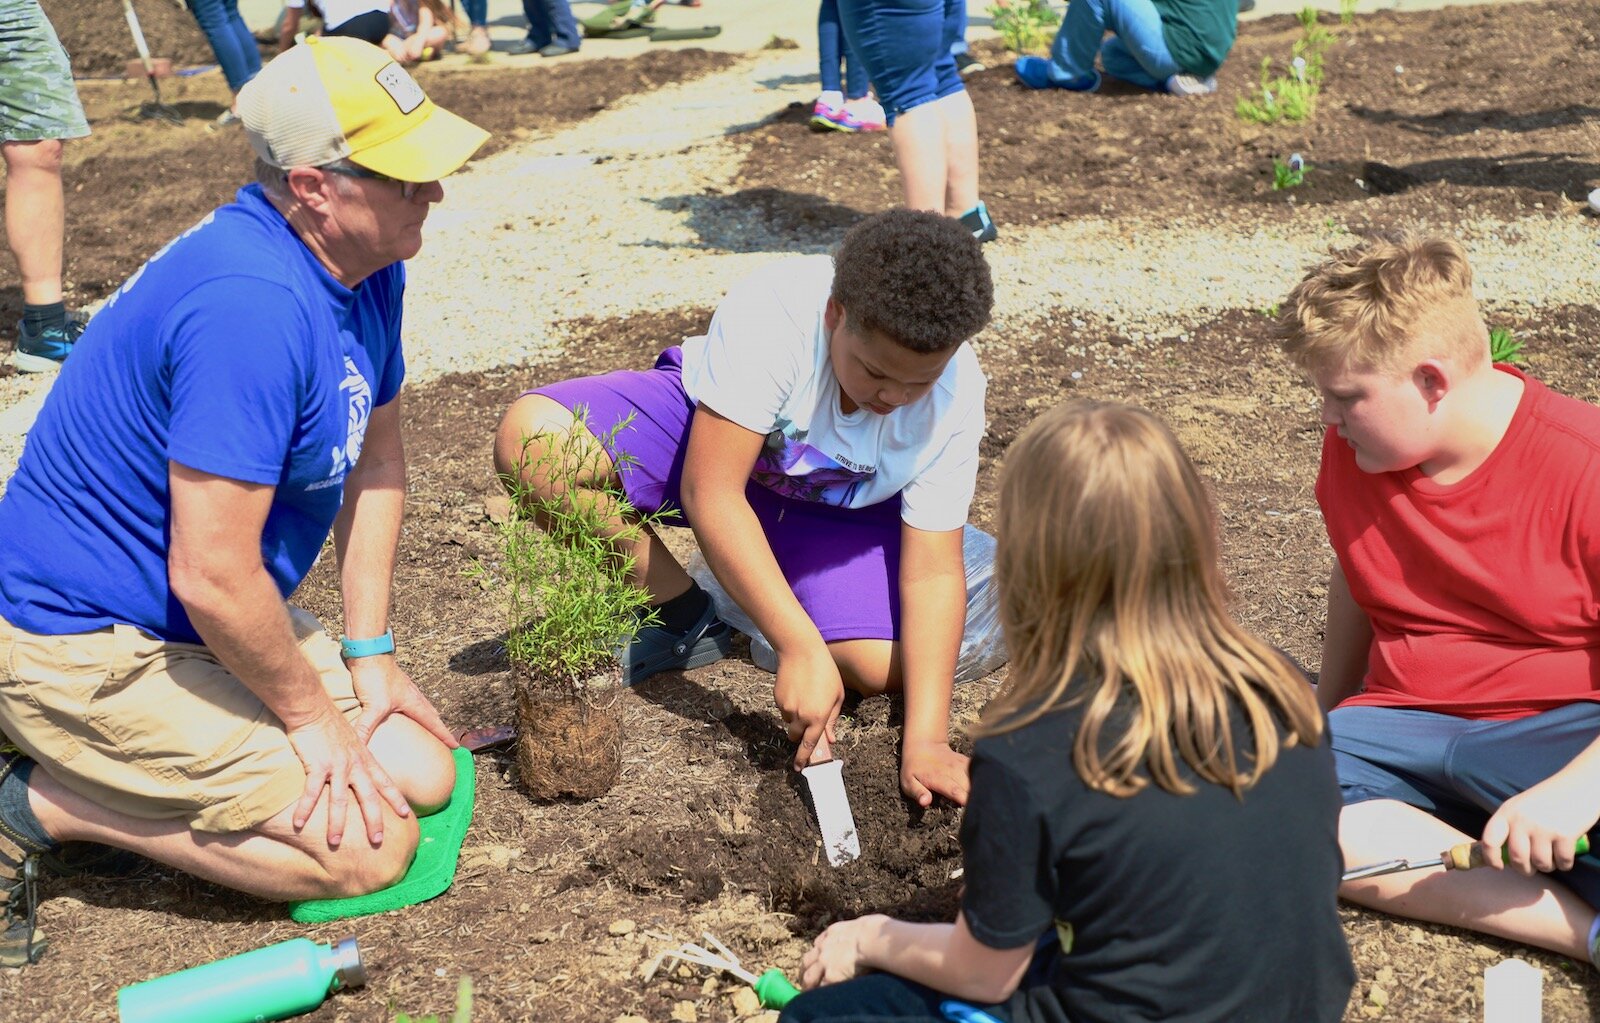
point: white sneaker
(1189, 85)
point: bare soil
(558, 906)
(1437, 117)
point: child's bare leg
(868, 666)
(1537, 910)
(534, 427)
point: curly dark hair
(917, 278)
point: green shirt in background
(1199, 33)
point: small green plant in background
(1347, 12)
(1292, 96)
(568, 599)
(463, 1013)
(1025, 26)
(1290, 173)
(1503, 347)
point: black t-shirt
(1173, 908)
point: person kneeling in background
(1162, 45)
(1184, 864)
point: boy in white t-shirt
(822, 440)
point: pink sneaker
(840, 119)
(823, 114)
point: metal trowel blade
(838, 824)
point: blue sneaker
(657, 648)
(45, 351)
(1039, 73)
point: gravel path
(622, 213)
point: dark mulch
(1442, 116)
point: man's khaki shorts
(158, 730)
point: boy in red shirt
(1461, 661)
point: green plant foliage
(1025, 26)
(563, 578)
(1503, 347)
(1291, 96)
(1290, 173)
(463, 1013)
(1347, 12)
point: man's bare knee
(419, 764)
(358, 868)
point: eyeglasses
(408, 189)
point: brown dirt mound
(98, 40)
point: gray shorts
(37, 97)
(1460, 770)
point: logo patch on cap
(401, 87)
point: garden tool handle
(774, 990)
(1468, 855)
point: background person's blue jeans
(477, 12)
(833, 51)
(551, 21)
(1136, 53)
(905, 45)
(230, 39)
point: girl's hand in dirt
(929, 769)
(384, 688)
(1539, 827)
(337, 761)
(809, 693)
(836, 954)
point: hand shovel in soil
(157, 110)
(1466, 856)
(825, 779)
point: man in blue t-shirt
(234, 403)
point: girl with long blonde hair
(1151, 831)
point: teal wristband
(352, 648)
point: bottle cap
(347, 963)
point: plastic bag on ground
(983, 648)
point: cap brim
(435, 148)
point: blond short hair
(1382, 304)
(1112, 599)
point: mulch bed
(1435, 117)
(557, 905)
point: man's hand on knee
(337, 761)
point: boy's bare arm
(1539, 827)
(1346, 643)
(933, 609)
(716, 468)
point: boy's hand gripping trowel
(825, 780)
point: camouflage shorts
(37, 97)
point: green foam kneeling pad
(431, 871)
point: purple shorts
(843, 564)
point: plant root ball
(569, 744)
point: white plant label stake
(1513, 992)
(838, 824)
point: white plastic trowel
(825, 779)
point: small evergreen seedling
(568, 598)
(1503, 347)
(1025, 26)
(1290, 97)
(1290, 173)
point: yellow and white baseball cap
(335, 98)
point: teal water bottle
(269, 983)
